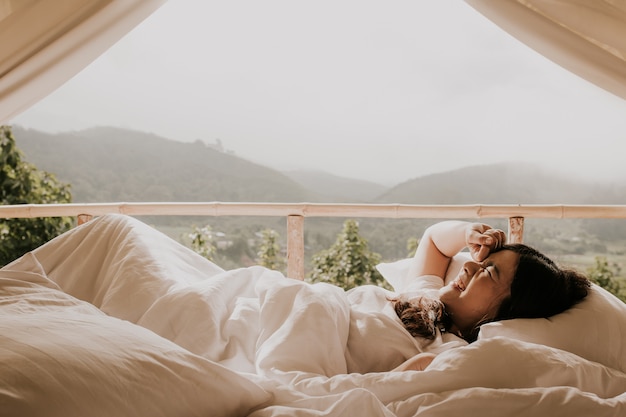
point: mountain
(503, 184)
(337, 189)
(108, 164)
(111, 164)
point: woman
(499, 282)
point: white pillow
(60, 356)
(594, 329)
(397, 273)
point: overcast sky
(377, 90)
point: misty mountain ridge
(503, 183)
(106, 164)
(112, 164)
(334, 188)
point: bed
(113, 318)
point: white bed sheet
(315, 349)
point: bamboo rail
(296, 212)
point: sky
(374, 90)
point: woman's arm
(441, 241)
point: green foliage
(348, 263)
(411, 246)
(22, 183)
(202, 241)
(607, 277)
(269, 254)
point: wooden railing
(296, 212)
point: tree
(23, 183)
(348, 263)
(202, 241)
(411, 246)
(606, 277)
(269, 254)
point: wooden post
(295, 247)
(84, 218)
(516, 230)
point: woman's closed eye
(488, 270)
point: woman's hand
(481, 240)
(418, 362)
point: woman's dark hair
(540, 288)
(422, 316)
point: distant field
(615, 255)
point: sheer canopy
(44, 43)
(586, 37)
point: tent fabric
(44, 43)
(586, 37)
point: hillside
(502, 184)
(110, 164)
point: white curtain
(587, 37)
(44, 43)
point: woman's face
(479, 289)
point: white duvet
(294, 348)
